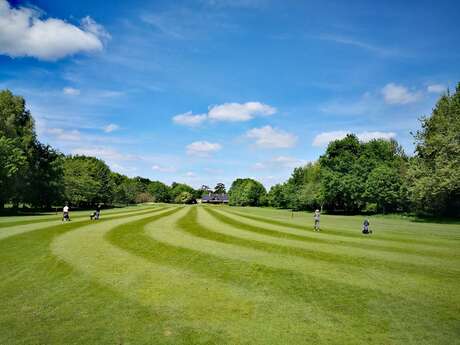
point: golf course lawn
(169, 274)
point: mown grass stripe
(408, 296)
(10, 221)
(46, 301)
(366, 278)
(357, 242)
(395, 235)
(327, 252)
(200, 301)
(14, 231)
(289, 288)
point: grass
(165, 274)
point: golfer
(316, 217)
(65, 213)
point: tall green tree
(87, 181)
(435, 170)
(13, 162)
(45, 178)
(347, 165)
(17, 123)
(159, 191)
(247, 192)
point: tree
(383, 187)
(434, 173)
(184, 198)
(143, 197)
(247, 192)
(347, 165)
(276, 196)
(45, 177)
(17, 124)
(87, 181)
(205, 190)
(178, 188)
(12, 162)
(159, 191)
(220, 189)
(16, 121)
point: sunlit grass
(168, 274)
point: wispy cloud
(280, 162)
(323, 139)
(189, 119)
(399, 94)
(202, 148)
(64, 135)
(71, 91)
(269, 137)
(436, 88)
(344, 40)
(163, 169)
(111, 128)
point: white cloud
(163, 169)
(190, 174)
(111, 128)
(23, 32)
(235, 112)
(202, 148)
(228, 112)
(269, 137)
(71, 91)
(325, 138)
(188, 119)
(398, 94)
(436, 88)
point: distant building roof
(218, 198)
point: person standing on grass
(316, 217)
(65, 213)
(98, 211)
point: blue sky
(210, 90)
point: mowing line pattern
(218, 275)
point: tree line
(375, 176)
(350, 177)
(37, 175)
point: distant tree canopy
(247, 192)
(345, 170)
(87, 181)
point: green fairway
(166, 274)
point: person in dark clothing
(96, 214)
(366, 230)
